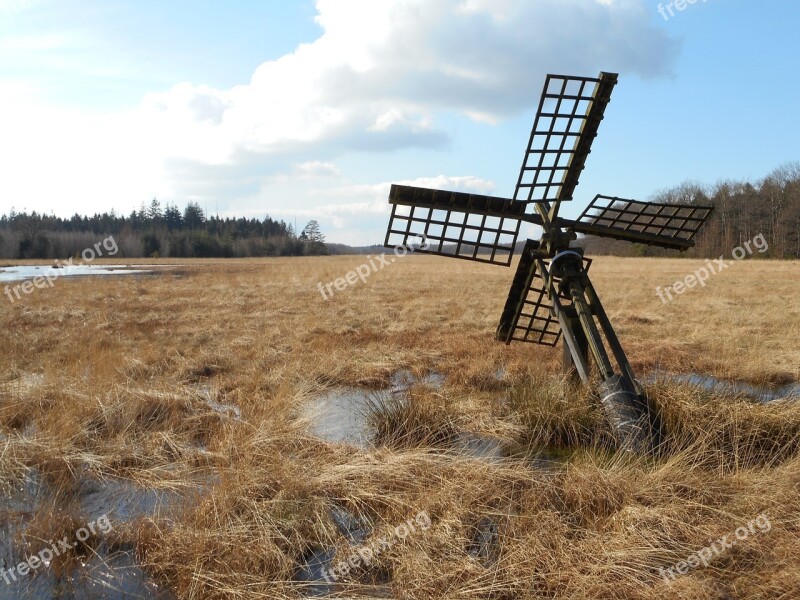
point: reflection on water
(481, 447)
(123, 501)
(342, 414)
(356, 529)
(312, 573)
(106, 575)
(404, 379)
(315, 576)
(20, 273)
(485, 540)
(108, 572)
(733, 388)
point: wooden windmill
(551, 295)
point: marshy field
(218, 429)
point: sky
(307, 110)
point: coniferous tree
(313, 239)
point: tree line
(742, 210)
(155, 231)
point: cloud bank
(381, 71)
(381, 77)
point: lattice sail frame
(566, 123)
(528, 315)
(457, 224)
(667, 225)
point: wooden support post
(581, 343)
(590, 330)
(611, 336)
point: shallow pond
(23, 272)
(107, 572)
(342, 414)
(733, 388)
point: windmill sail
(667, 225)
(457, 224)
(551, 295)
(569, 115)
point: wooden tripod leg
(630, 417)
(581, 345)
(570, 328)
(590, 330)
(629, 414)
(611, 336)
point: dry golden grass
(112, 377)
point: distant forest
(155, 231)
(742, 211)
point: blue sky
(303, 110)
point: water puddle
(20, 273)
(313, 573)
(355, 529)
(123, 501)
(485, 542)
(316, 575)
(226, 410)
(109, 574)
(342, 414)
(727, 387)
(106, 572)
(315, 579)
(403, 380)
(481, 447)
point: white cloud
(379, 78)
(316, 169)
(381, 70)
(57, 159)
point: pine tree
(313, 239)
(154, 210)
(193, 215)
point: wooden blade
(666, 225)
(569, 115)
(466, 226)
